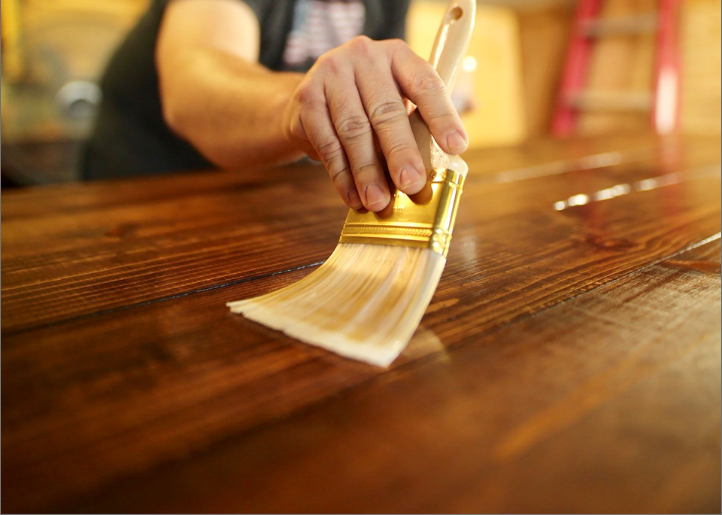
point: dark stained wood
(568, 362)
(579, 409)
(128, 243)
(80, 263)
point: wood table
(569, 361)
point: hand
(351, 103)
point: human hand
(349, 113)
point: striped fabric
(319, 26)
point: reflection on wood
(576, 347)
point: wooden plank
(96, 195)
(87, 256)
(69, 264)
(90, 401)
(119, 414)
(578, 153)
(609, 402)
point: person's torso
(131, 136)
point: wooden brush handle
(452, 41)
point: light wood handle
(452, 41)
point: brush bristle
(364, 302)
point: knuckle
(398, 147)
(365, 172)
(443, 118)
(386, 112)
(361, 44)
(306, 94)
(353, 128)
(329, 150)
(428, 83)
(329, 63)
(340, 177)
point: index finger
(390, 120)
(419, 81)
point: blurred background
(535, 69)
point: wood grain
(504, 394)
(579, 409)
(145, 244)
(571, 355)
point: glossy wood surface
(569, 361)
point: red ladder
(665, 94)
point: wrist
(280, 112)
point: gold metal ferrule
(424, 220)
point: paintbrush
(368, 298)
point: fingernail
(354, 199)
(375, 197)
(456, 142)
(412, 180)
